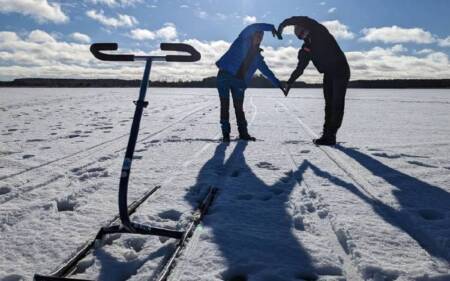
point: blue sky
(374, 34)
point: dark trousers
(334, 90)
(227, 83)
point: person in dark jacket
(236, 69)
(321, 48)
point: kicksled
(122, 222)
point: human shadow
(422, 205)
(249, 221)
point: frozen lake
(375, 207)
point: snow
(376, 207)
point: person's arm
(303, 60)
(252, 28)
(300, 20)
(265, 70)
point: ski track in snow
(286, 209)
(85, 174)
(439, 254)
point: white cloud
(39, 49)
(323, 3)
(39, 54)
(424, 51)
(338, 29)
(122, 20)
(142, 34)
(39, 36)
(331, 10)
(445, 42)
(80, 37)
(249, 20)
(394, 63)
(41, 10)
(396, 34)
(184, 6)
(167, 33)
(6, 36)
(113, 3)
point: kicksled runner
(122, 222)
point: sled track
(363, 186)
(22, 214)
(19, 192)
(104, 143)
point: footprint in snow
(66, 204)
(34, 140)
(4, 190)
(136, 243)
(431, 214)
(417, 163)
(89, 173)
(267, 165)
(385, 155)
(71, 136)
(104, 158)
(173, 215)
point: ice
(375, 207)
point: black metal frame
(126, 225)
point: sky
(382, 39)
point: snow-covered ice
(375, 207)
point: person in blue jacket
(236, 69)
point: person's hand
(287, 88)
(276, 33)
(280, 30)
(284, 91)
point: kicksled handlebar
(193, 56)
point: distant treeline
(210, 82)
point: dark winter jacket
(320, 47)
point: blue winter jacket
(233, 58)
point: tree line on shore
(210, 82)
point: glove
(284, 91)
(276, 33)
(280, 31)
(287, 88)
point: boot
(226, 137)
(246, 137)
(325, 139)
